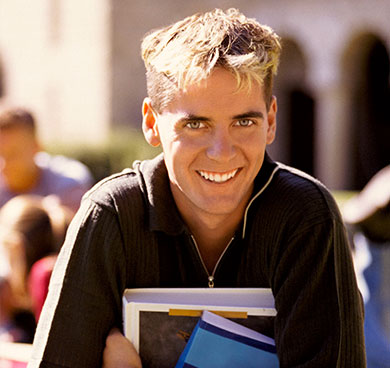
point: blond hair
(186, 52)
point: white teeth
(217, 177)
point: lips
(217, 177)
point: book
(159, 321)
(15, 351)
(217, 342)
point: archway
(366, 69)
(295, 138)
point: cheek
(254, 150)
(179, 157)
(254, 142)
(172, 157)
(181, 147)
(168, 139)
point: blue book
(219, 342)
(159, 321)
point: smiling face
(214, 139)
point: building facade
(77, 65)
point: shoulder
(131, 187)
(64, 169)
(300, 196)
(117, 190)
(303, 185)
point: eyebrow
(195, 117)
(246, 115)
(249, 114)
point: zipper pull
(211, 281)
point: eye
(196, 124)
(244, 122)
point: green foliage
(119, 152)
(343, 196)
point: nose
(222, 146)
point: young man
(24, 169)
(212, 210)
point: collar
(262, 181)
(162, 211)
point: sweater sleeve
(320, 313)
(84, 299)
(351, 307)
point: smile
(218, 177)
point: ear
(149, 123)
(271, 115)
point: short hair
(186, 52)
(16, 117)
(25, 217)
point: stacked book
(201, 327)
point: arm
(84, 299)
(119, 352)
(320, 313)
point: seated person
(32, 230)
(26, 236)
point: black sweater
(128, 233)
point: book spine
(181, 362)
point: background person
(41, 270)
(368, 217)
(25, 169)
(213, 210)
(28, 237)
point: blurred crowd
(367, 216)
(39, 194)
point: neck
(212, 234)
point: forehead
(219, 93)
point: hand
(119, 352)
